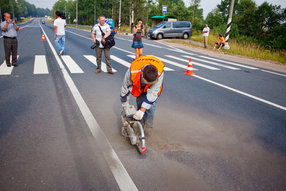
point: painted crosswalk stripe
(228, 62)
(174, 63)
(195, 63)
(213, 63)
(165, 68)
(120, 61)
(72, 65)
(5, 70)
(40, 65)
(92, 59)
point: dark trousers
(10, 46)
(98, 52)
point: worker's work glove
(138, 115)
(125, 104)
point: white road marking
(120, 61)
(1, 36)
(40, 65)
(120, 174)
(165, 68)
(195, 63)
(153, 45)
(213, 63)
(228, 62)
(123, 50)
(242, 93)
(120, 38)
(174, 63)
(71, 64)
(4, 69)
(274, 73)
(92, 59)
(79, 35)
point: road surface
(222, 129)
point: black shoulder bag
(109, 41)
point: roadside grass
(244, 48)
(24, 20)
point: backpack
(109, 41)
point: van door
(167, 29)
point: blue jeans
(60, 42)
(148, 117)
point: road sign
(164, 9)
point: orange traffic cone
(43, 37)
(190, 68)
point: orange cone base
(189, 72)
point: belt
(9, 37)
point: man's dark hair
(58, 14)
(150, 73)
(139, 20)
(220, 35)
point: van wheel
(185, 36)
(159, 36)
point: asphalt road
(222, 129)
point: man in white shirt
(99, 39)
(206, 32)
(59, 32)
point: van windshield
(160, 24)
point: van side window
(168, 25)
(176, 24)
(182, 25)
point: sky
(207, 5)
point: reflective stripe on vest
(136, 68)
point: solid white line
(174, 63)
(71, 64)
(195, 63)
(123, 50)
(120, 174)
(4, 69)
(92, 59)
(213, 63)
(153, 45)
(79, 35)
(242, 93)
(274, 73)
(40, 65)
(228, 62)
(165, 68)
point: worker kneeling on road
(144, 81)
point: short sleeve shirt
(98, 34)
(10, 31)
(60, 24)
(207, 33)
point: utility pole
(228, 25)
(119, 22)
(76, 12)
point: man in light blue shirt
(9, 32)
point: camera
(96, 44)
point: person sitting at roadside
(220, 43)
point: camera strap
(102, 33)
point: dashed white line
(195, 63)
(71, 64)
(40, 65)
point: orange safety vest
(135, 70)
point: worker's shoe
(97, 71)
(110, 72)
